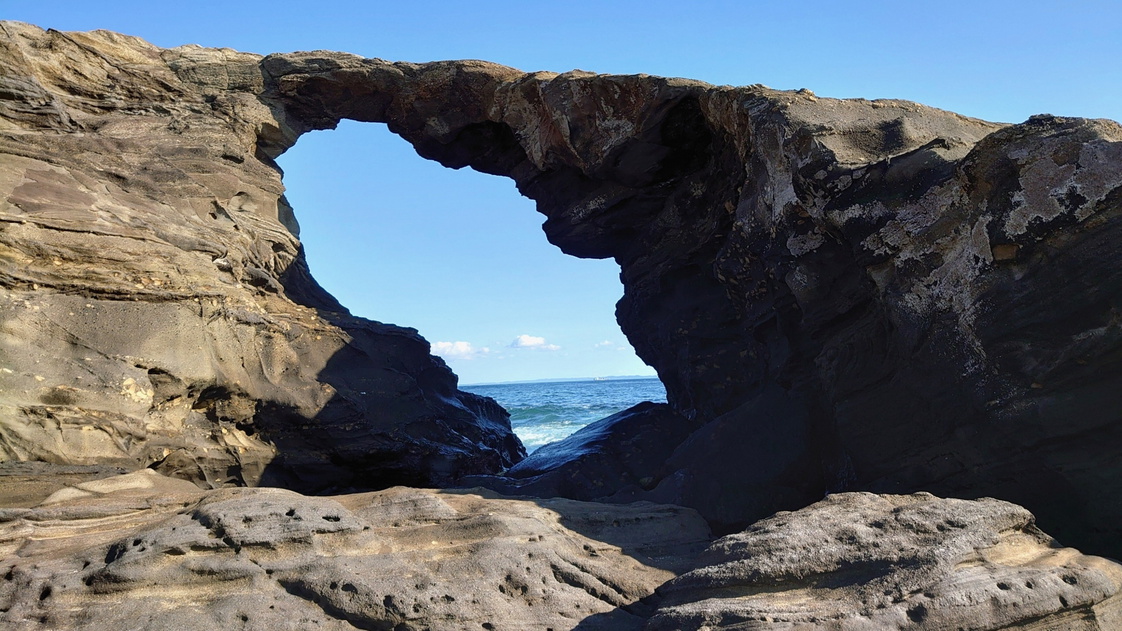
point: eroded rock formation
(155, 306)
(863, 561)
(142, 551)
(837, 294)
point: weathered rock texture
(837, 294)
(858, 561)
(155, 306)
(143, 551)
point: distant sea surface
(546, 411)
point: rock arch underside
(839, 295)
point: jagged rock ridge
(837, 294)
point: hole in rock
(461, 257)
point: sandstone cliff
(837, 294)
(156, 306)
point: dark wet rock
(614, 459)
(143, 551)
(864, 561)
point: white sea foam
(544, 412)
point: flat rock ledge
(143, 551)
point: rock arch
(836, 294)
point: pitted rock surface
(858, 561)
(142, 551)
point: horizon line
(559, 380)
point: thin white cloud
(533, 342)
(458, 350)
(604, 344)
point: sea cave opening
(461, 257)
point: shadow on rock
(394, 417)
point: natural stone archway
(839, 294)
(836, 294)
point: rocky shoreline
(851, 303)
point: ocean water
(546, 411)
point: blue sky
(461, 257)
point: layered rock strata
(142, 551)
(838, 294)
(155, 306)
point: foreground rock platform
(142, 551)
(858, 561)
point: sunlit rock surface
(861, 561)
(155, 306)
(142, 551)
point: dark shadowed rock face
(155, 305)
(837, 294)
(617, 458)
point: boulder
(861, 561)
(614, 459)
